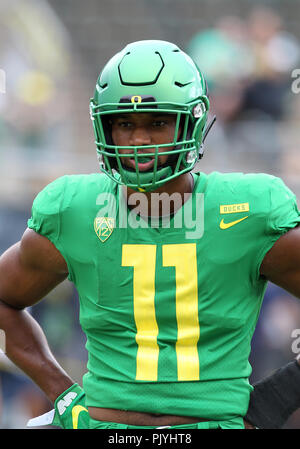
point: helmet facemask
(183, 151)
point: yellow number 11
(183, 257)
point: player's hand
(69, 411)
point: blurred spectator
(276, 52)
(222, 53)
(252, 59)
(248, 64)
(35, 56)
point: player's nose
(140, 136)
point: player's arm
(28, 271)
(281, 265)
(276, 397)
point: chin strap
(207, 129)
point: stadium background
(50, 55)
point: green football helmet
(150, 76)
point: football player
(171, 266)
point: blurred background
(51, 53)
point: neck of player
(165, 200)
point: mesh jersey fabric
(168, 309)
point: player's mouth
(144, 162)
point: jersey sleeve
(284, 213)
(46, 214)
(281, 215)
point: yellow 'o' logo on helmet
(136, 99)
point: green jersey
(169, 306)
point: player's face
(143, 129)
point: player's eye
(124, 124)
(159, 123)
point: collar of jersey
(199, 180)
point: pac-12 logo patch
(104, 227)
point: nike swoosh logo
(232, 223)
(76, 410)
(177, 83)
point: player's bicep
(29, 270)
(281, 264)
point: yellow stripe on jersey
(142, 258)
(184, 258)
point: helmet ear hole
(107, 129)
